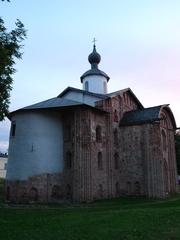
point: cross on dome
(94, 41)
(94, 58)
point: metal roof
(141, 116)
(102, 96)
(53, 103)
(98, 95)
(59, 102)
(94, 71)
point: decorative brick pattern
(135, 160)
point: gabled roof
(51, 103)
(146, 115)
(55, 103)
(131, 93)
(68, 89)
(102, 96)
(61, 102)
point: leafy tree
(10, 48)
(177, 144)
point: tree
(177, 144)
(10, 48)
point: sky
(139, 43)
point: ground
(123, 218)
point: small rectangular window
(13, 129)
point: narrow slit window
(116, 161)
(98, 134)
(116, 140)
(68, 160)
(100, 162)
(105, 87)
(86, 86)
(13, 129)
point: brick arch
(167, 127)
(33, 194)
(56, 192)
(164, 140)
(165, 114)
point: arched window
(87, 86)
(55, 193)
(98, 134)
(137, 188)
(164, 141)
(68, 160)
(115, 133)
(115, 116)
(13, 129)
(33, 194)
(8, 193)
(100, 190)
(68, 192)
(117, 188)
(100, 162)
(116, 161)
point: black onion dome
(94, 57)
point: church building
(89, 144)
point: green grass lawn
(123, 218)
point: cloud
(4, 146)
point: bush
(2, 183)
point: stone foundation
(42, 188)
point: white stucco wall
(3, 164)
(37, 146)
(96, 84)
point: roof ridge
(151, 107)
(82, 91)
